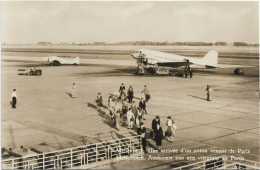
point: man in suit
(142, 107)
(158, 133)
(142, 132)
(142, 104)
(155, 122)
(121, 90)
(130, 94)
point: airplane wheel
(151, 70)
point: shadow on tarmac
(197, 97)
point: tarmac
(47, 118)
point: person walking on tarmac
(158, 135)
(74, 89)
(121, 91)
(142, 107)
(154, 123)
(209, 92)
(117, 119)
(146, 93)
(170, 131)
(130, 94)
(99, 101)
(142, 132)
(130, 118)
(134, 110)
(14, 98)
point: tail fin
(76, 60)
(211, 59)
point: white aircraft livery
(156, 58)
(56, 61)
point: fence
(78, 156)
(222, 164)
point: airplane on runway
(154, 59)
(56, 61)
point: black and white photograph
(130, 84)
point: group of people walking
(157, 132)
(130, 93)
(128, 112)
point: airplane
(155, 59)
(56, 61)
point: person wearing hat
(142, 132)
(99, 101)
(74, 88)
(154, 125)
(209, 92)
(121, 91)
(158, 135)
(130, 94)
(170, 131)
(14, 98)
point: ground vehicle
(30, 72)
(239, 71)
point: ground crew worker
(74, 88)
(209, 92)
(14, 98)
(186, 72)
(146, 93)
(130, 94)
(190, 71)
(140, 57)
(142, 132)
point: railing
(221, 164)
(78, 156)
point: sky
(111, 21)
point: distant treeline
(165, 43)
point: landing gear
(151, 70)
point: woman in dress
(170, 132)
